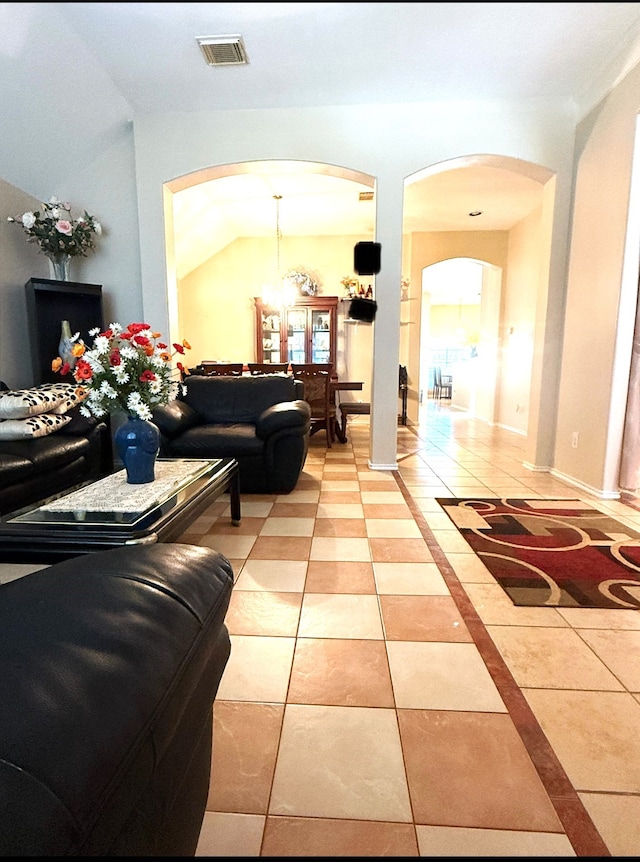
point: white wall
(170, 146)
(67, 131)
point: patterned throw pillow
(31, 427)
(48, 398)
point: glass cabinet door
(271, 325)
(320, 336)
(297, 334)
(303, 333)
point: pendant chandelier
(280, 292)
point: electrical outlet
(575, 439)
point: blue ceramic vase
(137, 443)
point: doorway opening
(459, 335)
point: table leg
(341, 427)
(234, 498)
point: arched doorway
(221, 238)
(497, 210)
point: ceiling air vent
(365, 196)
(223, 50)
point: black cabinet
(49, 302)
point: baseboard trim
(589, 489)
(535, 469)
(373, 466)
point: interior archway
(429, 234)
(497, 210)
(212, 212)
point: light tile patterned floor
(385, 698)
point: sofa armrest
(278, 417)
(175, 417)
(101, 744)
(81, 426)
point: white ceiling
(314, 54)
(353, 53)
(210, 215)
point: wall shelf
(49, 302)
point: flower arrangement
(303, 282)
(350, 285)
(56, 232)
(125, 370)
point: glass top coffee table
(109, 512)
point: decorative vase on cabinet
(66, 344)
(59, 266)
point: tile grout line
(578, 826)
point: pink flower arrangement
(56, 232)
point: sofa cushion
(230, 400)
(34, 426)
(48, 398)
(48, 453)
(216, 441)
(14, 467)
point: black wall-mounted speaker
(363, 309)
(366, 258)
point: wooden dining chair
(319, 396)
(233, 369)
(268, 367)
(314, 366)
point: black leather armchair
(109, 666)
(262, 421)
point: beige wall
(600, 299)
(216, 306)
(20, 262)
(518, 330)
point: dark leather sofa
(262, 421)
(109, 666)
(33, 469)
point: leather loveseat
(36, 467)
(109, 666)
(262, 421)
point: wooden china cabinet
(302, 333)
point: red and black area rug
(552, 553)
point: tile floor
(385, 698)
